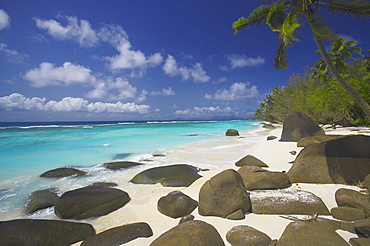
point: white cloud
(132, 59)
(77, 30)
(239, 61)
(196, 111)
(164, 92)
(237, 91)
(13, 56)
(4, 19)
(18, 101)
(196, 73)
(47, 74)
(122, 87)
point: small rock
(105, 184)
(232, 132)
(237, 215)
(41, 199)
(188, 217)
(250, 160)
(117, 165)
(347, 213)
(119, 235)
(293, 152)
(271, 138)
(63, 172)
(265, 180)
(245, 235)
(192, 232)
(176, 204)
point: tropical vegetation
(284, 17)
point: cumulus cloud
(203, 110)
(12, 56)
(4, 19)
(104, 87)
(164, 92)
(18, 101)
(196, 73)
(67, 74)
(237, 91)
(77, 30)
(240, 61)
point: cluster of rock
(229, 194)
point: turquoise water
(29, 149)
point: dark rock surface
(180, 175)
(353, 199)
(367, 182)
(347, 213)
(245, 235)
(303, 142)
(117, 165)
(261, 180)
(250, 160)
(297, 125)
(288, 201)
(271, 138)
(232, 132)
(176, 204)
(223, 194)
(43, 232)
(362, 227)
(307, 233)
(193, 232)
(41, 199)
(120, 235)
(105, 184)
(359, 241)
(63, 172)
(90, 201)
(237, 215)
(340, 161)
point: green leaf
(289, 27)
(320, 28)
(281, 61)
(359, 8)
(276, 16)
(255, 18)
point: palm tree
(341, 52)
(284, 17)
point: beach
(143, 206)
(212, 156)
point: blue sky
(142, 60)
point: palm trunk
(363, 104)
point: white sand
(143, 206)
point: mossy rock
(41, 199)
(63, 172)
(117, 165)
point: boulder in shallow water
(117, 165)
(63, 172)
(223, 195)
(232, 132)
(41, 199)
(176, 204)
(32, 232)
(298, 125)
(340, 161)
(245, 235)
(105, 184)
(250, 160)
(287, 201)
(90, 201)
(180, 175)
(120, 235)
(192, 232)
(307, 233)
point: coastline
(274, 153)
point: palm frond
(359, 8)
(255, 18)
(281, 61)
(276, 16)
(319, 27)
(288, 29)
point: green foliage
(324, 101)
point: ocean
(29, 149)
